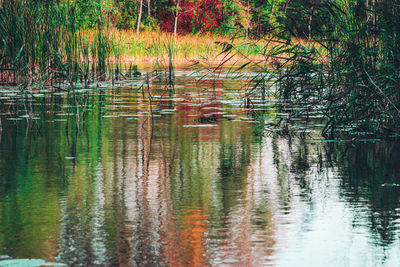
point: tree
(139, 16)
(176, 15)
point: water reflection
(131, 189)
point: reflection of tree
(152, 192)
(362, 170)
(365, 169)
(230, 220)
(146, 247)
(235, 155)
(31, 177)
(84, 215)
(192, 170)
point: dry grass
(153, 46)
(149, 47)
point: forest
(301, 18)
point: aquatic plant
(348, 72)
(44, 48)
(42, 41)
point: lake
(190, 178)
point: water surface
(191, 181)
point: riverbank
(150, 47)
(210, 49)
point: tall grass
(151, 46)
(349, 72)
(41, 41)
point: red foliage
(208, 15)
(200, 15)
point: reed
(43, 48)
(41, 41)
(151, 46)
(348, 73)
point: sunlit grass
(152, 46)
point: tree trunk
(139, 16)
(148, 8)
(248, 18)
(176, 17)
(309, 26)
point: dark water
(195, 184)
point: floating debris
(29, 263)
(390, 185)
(199, 125)
(110, 116)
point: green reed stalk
(349, 71)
